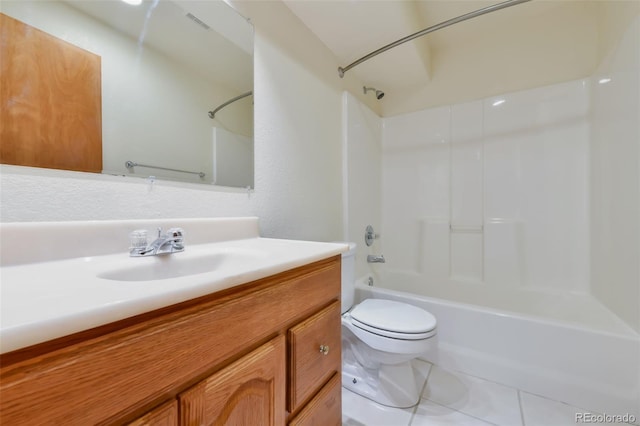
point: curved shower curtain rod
(479, 12)
(212, 114)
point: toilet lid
(397, 317)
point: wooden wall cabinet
(264, 353)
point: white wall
(232, 159)
(298, 179)
(615, 168)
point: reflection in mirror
(164, 65)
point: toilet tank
(348, 277)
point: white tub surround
(59, 278)
(523, 197)
(615, 172)
(494, 192)
(362, 176)
(587, 368)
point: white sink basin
(183, 264)
(166, 267)
(51, 290)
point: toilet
(379, 340)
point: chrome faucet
(372, 258)
(171, 242)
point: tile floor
(455, 399)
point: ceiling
(530, 44)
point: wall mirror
(174, 86)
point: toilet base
(390, 385)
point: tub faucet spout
(373, 258)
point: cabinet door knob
(324, 349)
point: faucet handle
(370, 235)
(138, 238)
(177, 237)
(175, 233)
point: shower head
(379, 93)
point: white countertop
(41, 301)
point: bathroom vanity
(263, 351)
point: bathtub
(593, 369)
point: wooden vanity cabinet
(165, 415)
(247, 392)
(263, 353)
(325, 408)
(315, 354)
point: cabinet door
(315, 354)
(164, 415)
(325, 409)
(251, 391)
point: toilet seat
(393, 319)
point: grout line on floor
(476, 377)
(585, 410)
(521, 408)
(462, 412)
(424, 387)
